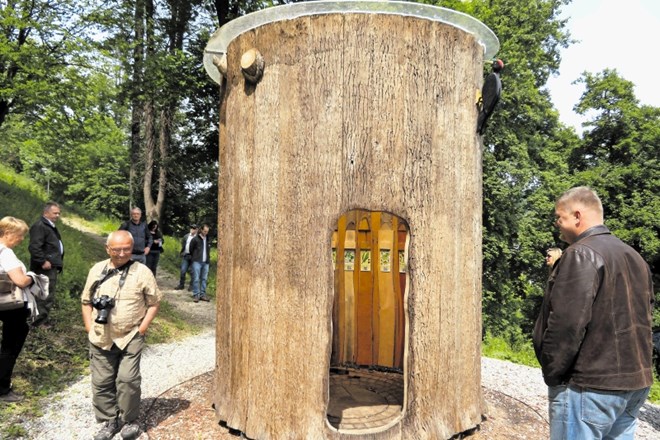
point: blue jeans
(586, 413)
(185, 264)
(140, 258)
(200, 273)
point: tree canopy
(107, 105)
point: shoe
(130, 431)
(38, 322)
(189, 288)
(195, 299)
(179, 287)
(108, 431)
(204, 298)
(11, 397)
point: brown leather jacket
(594, 328)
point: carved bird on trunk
(490, 95)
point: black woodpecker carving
(490, 95)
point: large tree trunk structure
(367, 111)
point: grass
(498, 348)
(54, 357)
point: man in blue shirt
(142, 239)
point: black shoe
(179, 287)
(39, 322)
(108, 431)
(11, 397)
(130, 431)
(204, 298)
(189, 288)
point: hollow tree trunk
(354, 111)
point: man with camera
(119, 302)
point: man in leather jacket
(593, 334)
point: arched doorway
(369, 320)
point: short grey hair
(583, 195)
(49, 205)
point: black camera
(103, 304)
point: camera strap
(107, 274)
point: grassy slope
(52, 358)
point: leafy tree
(38, 40)
(163, 70)
(619, 157)
(77, 147)
(523, 163)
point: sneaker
(204, 298)
(130, 431)
(195, 299)
(11, 397)
(108, 431)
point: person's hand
(46, 265)
(146, 251)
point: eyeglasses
(118, 251)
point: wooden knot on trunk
(252, 65)
(221, 63)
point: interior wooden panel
(368, 311)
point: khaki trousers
(116, 381)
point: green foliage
(523, 161)
(499, 348)
(654, 395)
(38, 39)
(75, 147)
(620, 159)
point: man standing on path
(142, 239)
(593, 334)
(185, 257)
(119, 302)
(46, 255)
(200, 249)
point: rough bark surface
(354, 111)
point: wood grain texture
(354, 111)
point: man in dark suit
(46, 255)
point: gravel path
(69, 414)
(526, 384)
